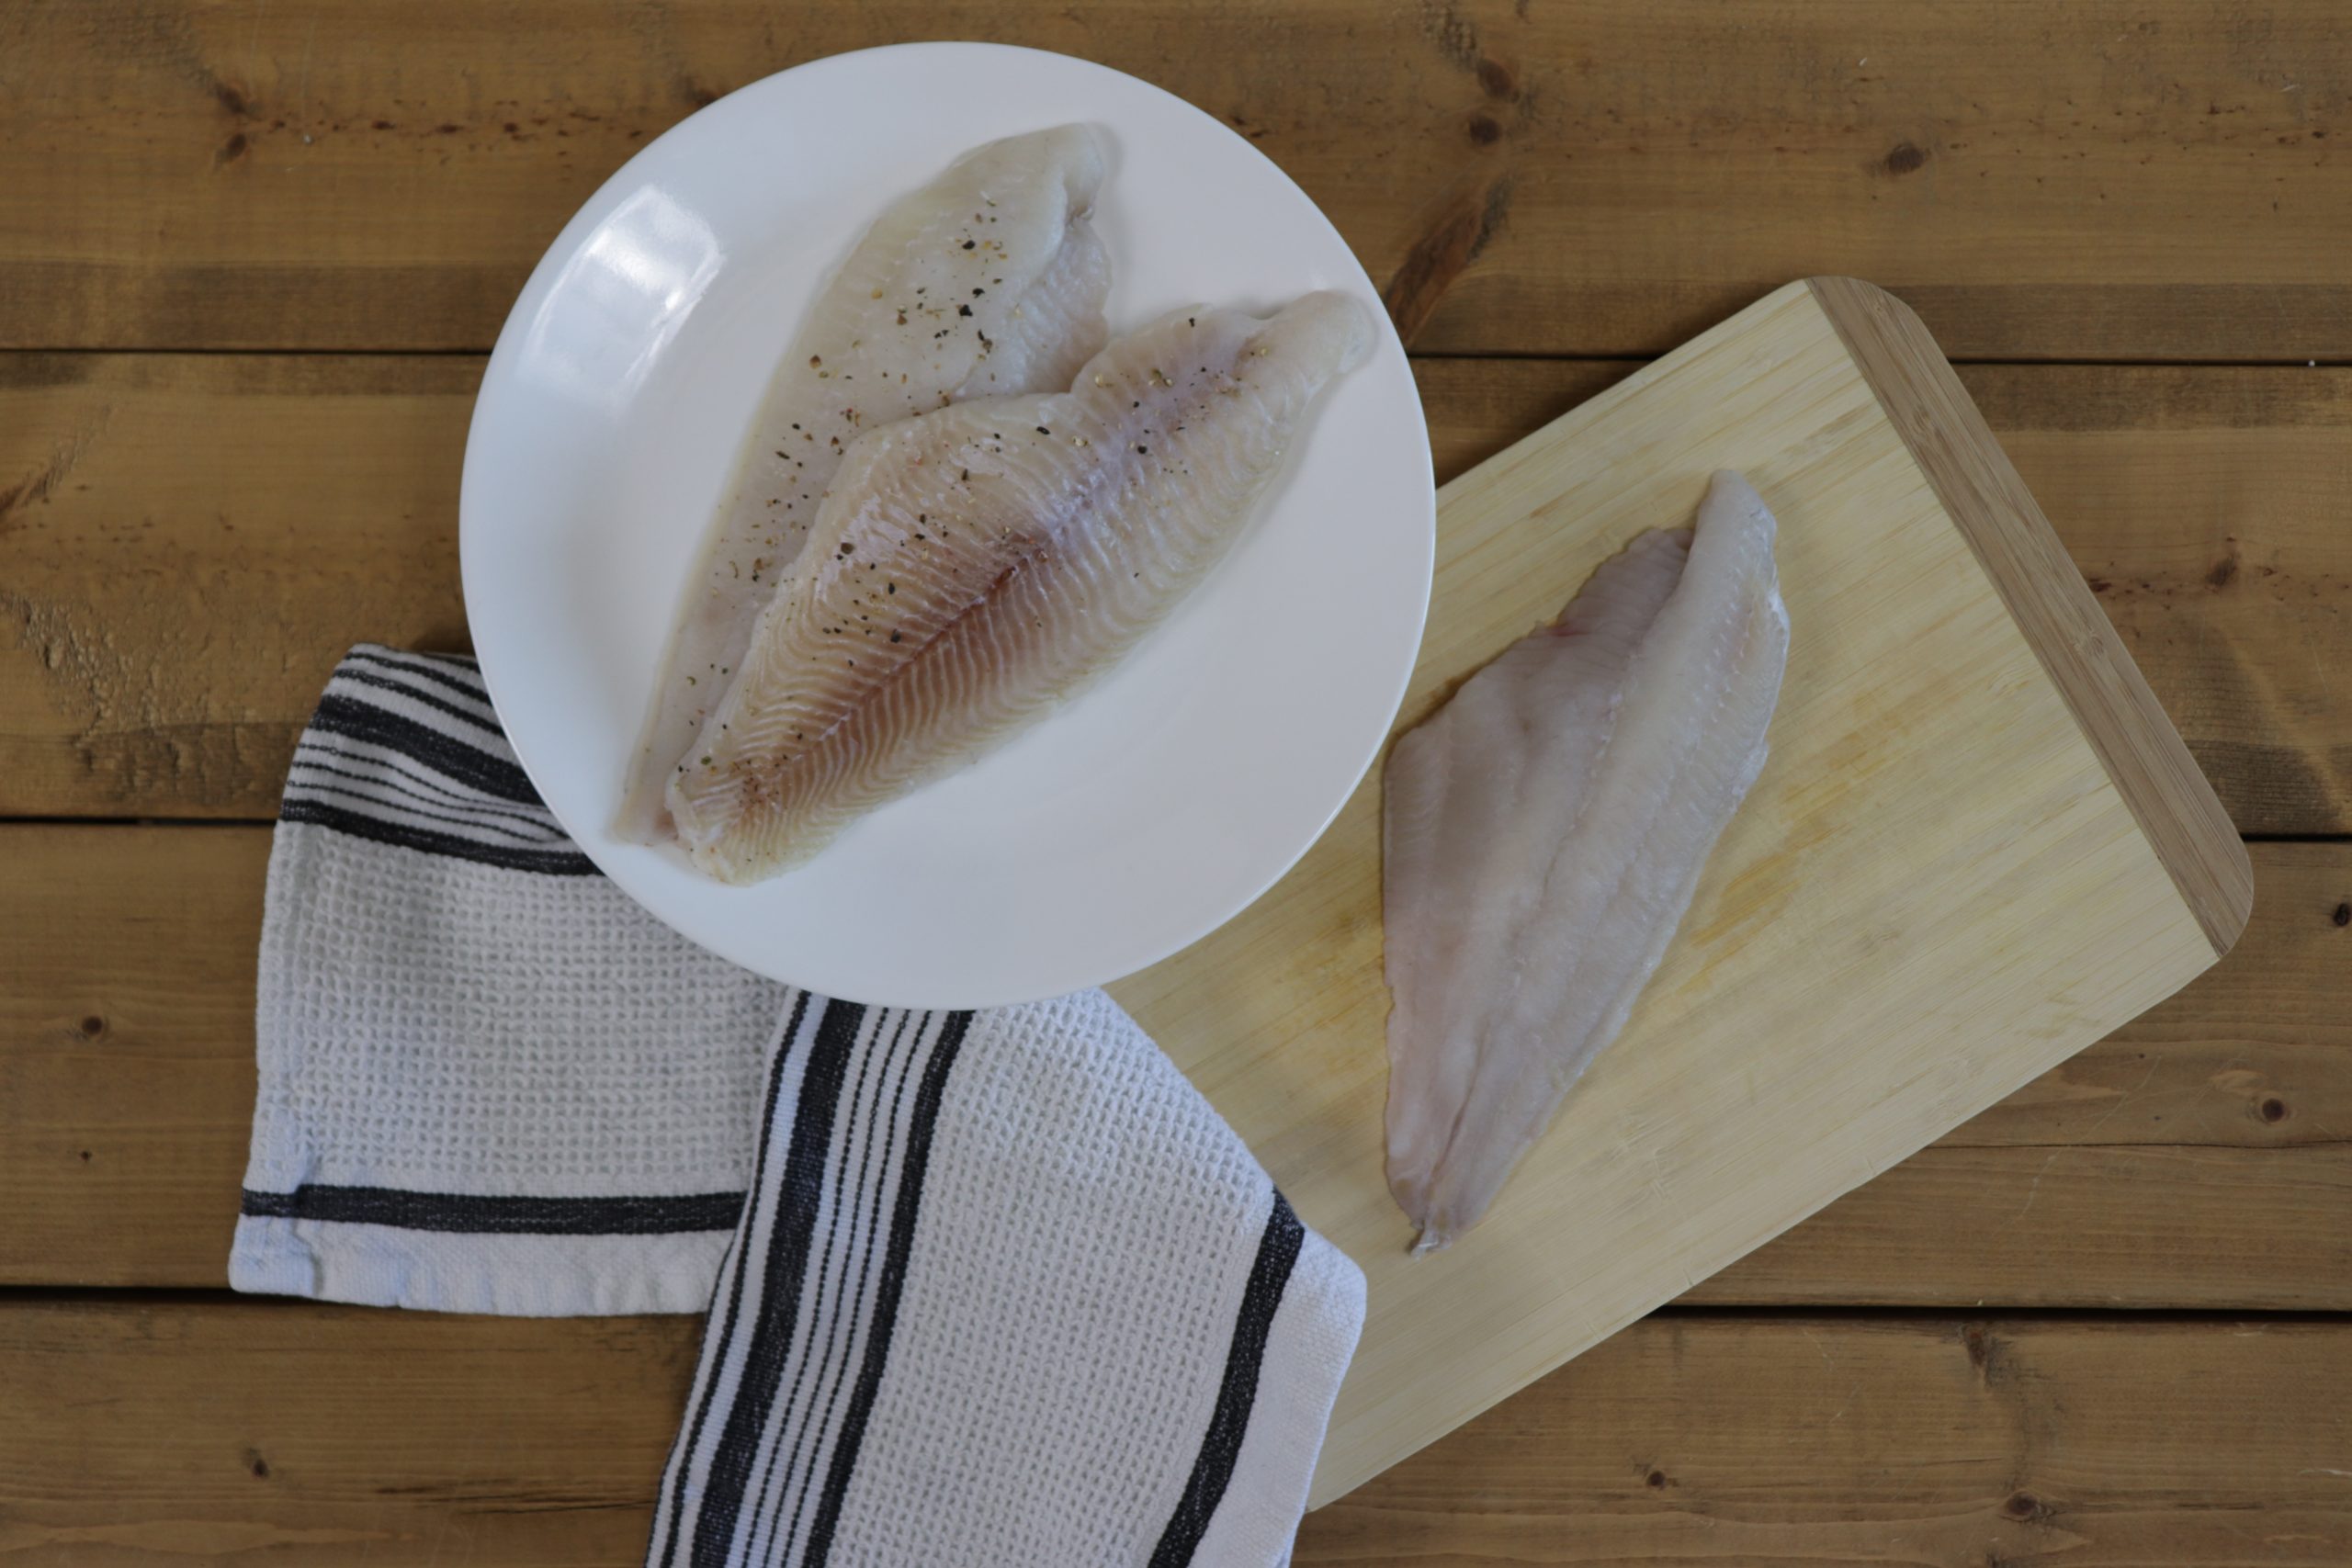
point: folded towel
(984, 1288)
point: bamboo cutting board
(1978, 846)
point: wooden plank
(2198, 520)
(188, 542)
(2042, 182)
(2196, 1157)
(249, 1432)
(1854, 1442)
(126, 1049)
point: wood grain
(185, 542)
(127, 1063)
(248, 1432)
(251, 1432)
(1925, 1441)
(2200, 1156)
(1979, 488)
(2042, 182)
(188, 542)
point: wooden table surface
(252, 254)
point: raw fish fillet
(987, 281)
(1543, 833)
(975, 565)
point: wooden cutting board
(1978, 846)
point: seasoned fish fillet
(987, 281)
(974, 565)
(1544, 832)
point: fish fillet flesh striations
(1543, 834)
(973, 566)
(988, 280)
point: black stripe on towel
(464, 1213)
(435, 794)
(461, 678)
(780, 1286)
(1213, 1470)
(903, 1214)
(839, 1300)
(417, 694)
(682, 1454)
(382, 797)
(517, 857)
(450, 755)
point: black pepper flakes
(969, 243)
(963, 310)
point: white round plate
(1146, 811)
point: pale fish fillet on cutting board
(1543, 836)
(988, 280)
(974, 566)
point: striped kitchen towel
(983, 1287)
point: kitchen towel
(983, 1287)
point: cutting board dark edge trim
(1981, 489)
